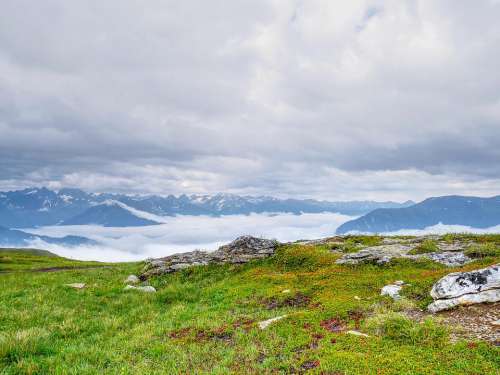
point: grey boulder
(465, 288)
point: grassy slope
(199, 321)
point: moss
(396, 327)
(483, 250)
(427, 246)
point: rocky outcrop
(376, 254)
(241, 250)
(466, 288)
(449, 254)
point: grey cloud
(309, 98)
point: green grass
(483, 250)
(427, 246)
(203, 319)
(14, 260)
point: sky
(326, 99)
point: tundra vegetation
(204, 319)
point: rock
(357, 333)
(132, 279)
(496, 323)
(383, 254)
(357, 298)
(145, 289)
(266, 323)
(392, 290)
(286, 291)
(76, 285)
(452, 246)
(448, 258)
(376, 254)
(492, 295)
(241, 250)
(465, 288)
(460, 283)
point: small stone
(145, 289)
(286, 291)
(76, 285)
(392, 290)
(357, 298)
(266, 323)
(132, 279)
(357, 333)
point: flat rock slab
(266, 323)
(76, 285)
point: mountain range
(449, 210)
(13, 237)
(36, 207)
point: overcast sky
(317, 98)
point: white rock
(357, 333)
(286, 291)
(145, 289)
(492, 295)
(461, 283)
(392, 290)
(132, 279)
(266, 323)
(76, 285)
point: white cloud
(187, 233)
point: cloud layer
(376, 99)
(187, 233)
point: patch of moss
(427, 246)
(483, 250)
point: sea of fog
(187, 233)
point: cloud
(315, 98)
(186, 233)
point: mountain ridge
(33, 207)
(469, 211)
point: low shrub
(395, 326)
(483, 250)
(427, 246)
(307, 258)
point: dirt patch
(356, 316)
(309, 365)
(297, 300)
(180, 333)
(245, 324)
(472, 322)
(333, 325)
(219, 334)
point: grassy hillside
(204, 319)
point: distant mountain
(111, 214)
(12, 237)
(452, 210)
(41, 206)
